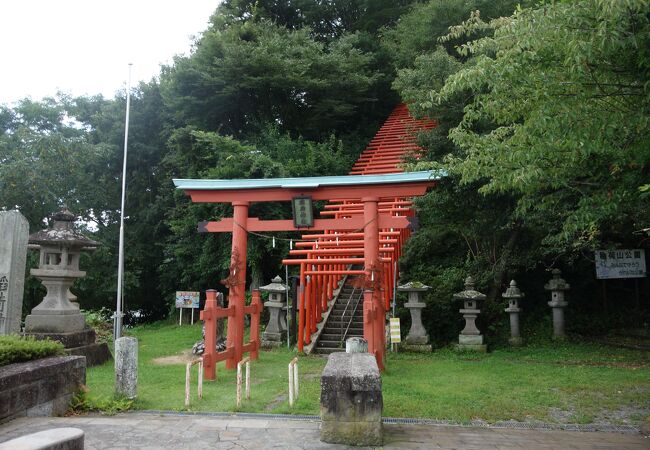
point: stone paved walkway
(175, 431)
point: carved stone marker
(351, 402)
(356, 345)
(470, 338)
(126, 366)
(557, 286)
(513, 295)
(14, 230)
(276, 330)
(417, 339)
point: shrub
(14, 348)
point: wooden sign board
(395, 335)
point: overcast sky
(84, 46)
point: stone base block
(274, 337)
(51, 323)
(416, 348)
(516, 341)
(469, 339)
(352, 433)
(271, 344)
(96, 354)
(69, 340)
(40, 387)
(351, 401)
(416, 340)
(472, 347)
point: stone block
(417, 348)
(351, 400)
(14, 230)
(472, 347)
(40, 387)
(465, 339)
(126, 367)
(53, 439)
(69, 340)
(52, 323)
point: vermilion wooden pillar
(237, 290)
(373, 315)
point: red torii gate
(366, 191)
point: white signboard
(187, 299)
(395, 336)
(620, 264)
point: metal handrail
(356, 306)
(345, 310)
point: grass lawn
(567, 382)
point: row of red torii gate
(364, 224)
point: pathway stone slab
(178, 431)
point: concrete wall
(42, 387)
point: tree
(565, 87)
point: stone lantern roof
(557, 283)
(62, 233)
(275, 286)
(413, 286)
(470, 293)
(513, 291)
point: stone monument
(276, 329)
(470, 338)
(14, 230)
(56, 317)
(513, 295)
(557, 286)
(417, 339)
(351, 401)
(126, 367)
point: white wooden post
(188, 369)
(240, 379)
(180, 316)
(293, 381)
(248, 380)
(187, 384)
(200, 388)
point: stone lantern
(276, 330)
(470, 338)
(60, 248)
(513, 295)
(417, 338)
(56, 317)
(557, 286)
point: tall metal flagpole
(117, 332)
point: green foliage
(565, 89)
(14, 348)
(524, 384)
(82, 403)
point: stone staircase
(345, 320)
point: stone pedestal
(276, 330)
(513, 295)
(351, 401)
(557, 286)
(14, 231)
(80, 343)
(417, 339)
(470, 337)
(126, 367)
